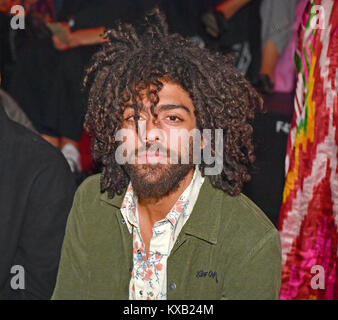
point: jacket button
(123, 221)
(172, 286)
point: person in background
(248, 22)
(277, 21)
(14, 112)
(233, 27)
(82, 24)
(36, 194)
(285, 71)
(32, 61)
(38, 13)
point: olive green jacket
(228, 249)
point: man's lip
(151, 156)
(157, 153)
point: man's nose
(153, 130)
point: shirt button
(151, 294)
(141, 292)
(172, 286)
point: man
(36, 193)
(148, 228)
(14, 112)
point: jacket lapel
(116, 201)
(204, 220)
(205, 217)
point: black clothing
(36, 194)
(32, 80)
(241, 38)
(67, 103)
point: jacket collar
(204, 220)
(116, 201)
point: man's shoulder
(241, 219)
(248, 248)
(237, 209)
(89, 189)
(95, 209)
(30, 156)
(89, 192)
(248, 213)
(30, 146)
(91, 184)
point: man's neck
(157, 209)
(153, 210)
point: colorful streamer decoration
(308, 222)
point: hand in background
(64, 38)
(62, 35)
(58, 44)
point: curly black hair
(133, 60)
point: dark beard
(155, 181)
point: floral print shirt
(149, 275)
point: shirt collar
(129, 208)
(205, 218)
(181, 205)
(129, 203)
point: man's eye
(132, 118)
(174, 118)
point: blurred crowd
(42, 66)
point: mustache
(152, 147)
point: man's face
(161, 135)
